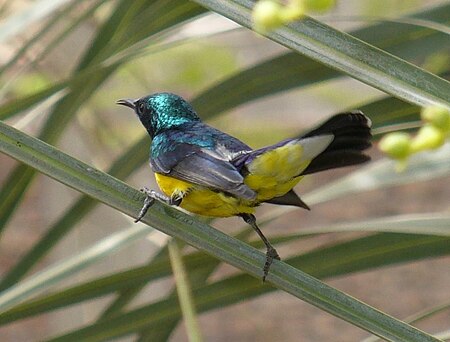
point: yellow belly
(203, 201)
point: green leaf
(390, 111)
(52, 275)
(21, 177)
(359, 254)
(187, 305)
(418, 317)
(40, 35)
(198, 275)
(128, 293)
(428, 224)
(121, 168)
(116, 194)
(22, 20)
(122, 281)
(372, 251)
(291, 70)
(16, 106)
(347, 54)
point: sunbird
(208, 172)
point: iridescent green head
(161, 111)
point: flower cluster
(270, 14)
(432, 135)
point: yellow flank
(202, 201)
(272, 174)
(172, 186)
(275, 172)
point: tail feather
(338, 142)
(352, 135)
(350, 121)
(353, 143)
(289, 198)
(335, 159)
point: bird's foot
(151, 196)
(271, 254)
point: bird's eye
(140, 108)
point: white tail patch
(313, 146)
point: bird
(211, 173)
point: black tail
(351, 137)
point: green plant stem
(184, 293)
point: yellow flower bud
(428, 138)
(437, 116)
(396, 145)
(292, 11)
(266, 15)
(319, 5)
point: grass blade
(427, 224)
(28, 16)
(291, 70)
(360, 254)
(123, 167)
(347, 54)
(54, 274)
(184, 292)
(330, 261)
(418, 317)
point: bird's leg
(271, 251)
(151, 196)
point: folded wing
(202, 167)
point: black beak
(127, 102)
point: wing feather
(193, 164)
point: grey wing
(203, 168)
